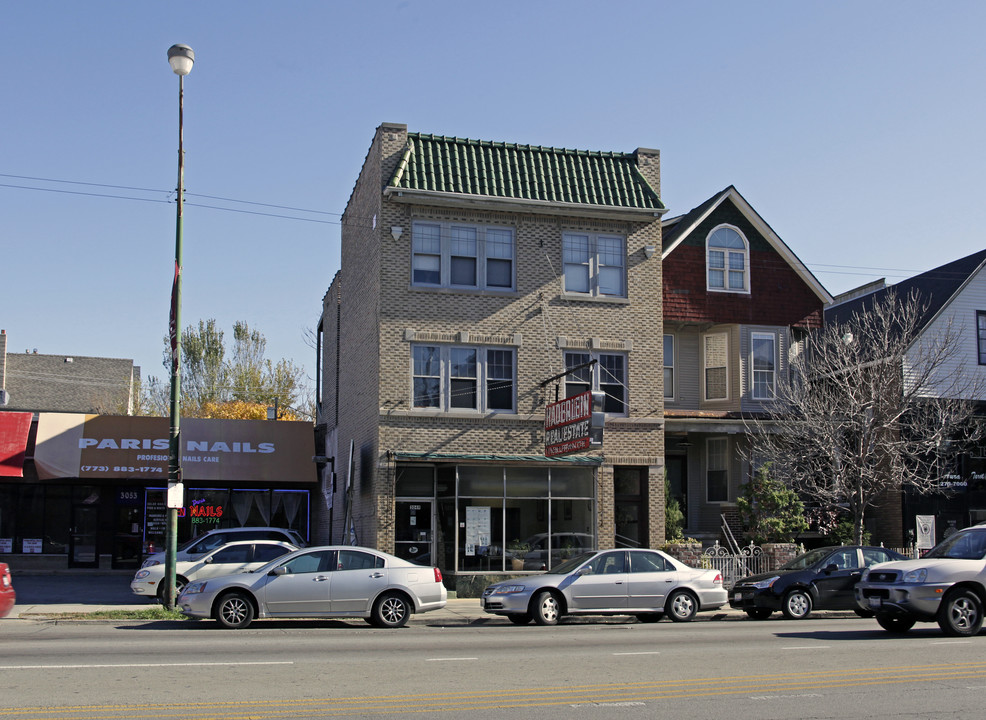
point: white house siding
(965, 367)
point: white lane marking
(148, 665)
(952, 642)
(652, 652)
(450, 659)
(808, 647)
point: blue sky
(854, 128)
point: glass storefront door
(414, 536)
(82, 540)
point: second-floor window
(715, 356)
(981, 335)
(669, 366)
(607, 375)
(454, 255)
(595, 264)
(728, 260)
(763, 360)
(463, 378)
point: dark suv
(947, 586)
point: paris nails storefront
(92, 491)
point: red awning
(14, 429)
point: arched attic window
(727, 257)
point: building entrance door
(82, 546)
(413, 539)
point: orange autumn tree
(241, 410)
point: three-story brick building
(473, 273)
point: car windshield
(807, 560)
(571, 564)
(962, 546)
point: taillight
(718, 579)
(438, 575)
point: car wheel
(896, 624)
(961, 614)
(547, 609)
(759, 613)
(519, 619)
(650, 617)
(234, 611)
(180, 584)
(391, 611)
(797, 605)
(864, 613)
(682, 606)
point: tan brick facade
(367, 393)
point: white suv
(199, 546)
(947, 586)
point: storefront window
(572, 482)
(415, 481)
(480, 480)
(527, 482)
(290, 510)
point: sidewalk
(39, 596)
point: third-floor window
(595, 264)
(458, 255)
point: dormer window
(728, 260)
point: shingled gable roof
(479, 169)
(675, 230)
(935, 288)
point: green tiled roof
(527, 172)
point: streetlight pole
(181, 58)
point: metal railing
(737, 563)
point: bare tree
(871, 406)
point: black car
(820, 579)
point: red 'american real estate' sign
(567, 424)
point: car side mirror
(831, 568)
(587, 570)
(207, 560)
(279, 570)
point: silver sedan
(644, 583)
(332, 581)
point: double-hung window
(716, 470)
(669, 366)
(464, 378)
(608, 376)
(457, 255)
(763, 359)
(595, 264)
(728, 260)
(981, 335)
(715, 352)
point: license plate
(738, 597)
(875, 602)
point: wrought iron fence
(749, 560)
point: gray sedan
(332, 581)
(644, 583)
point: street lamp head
(181, 58)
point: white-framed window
(669, 366)
(457, 255)
(727, 256)
(595, 264)
(763, 365)
(981, 335)
(608, 376)
(453, 378)
(715, 358)
(717, 469)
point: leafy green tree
(769, 510)
(674, 519)
(212, 377)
